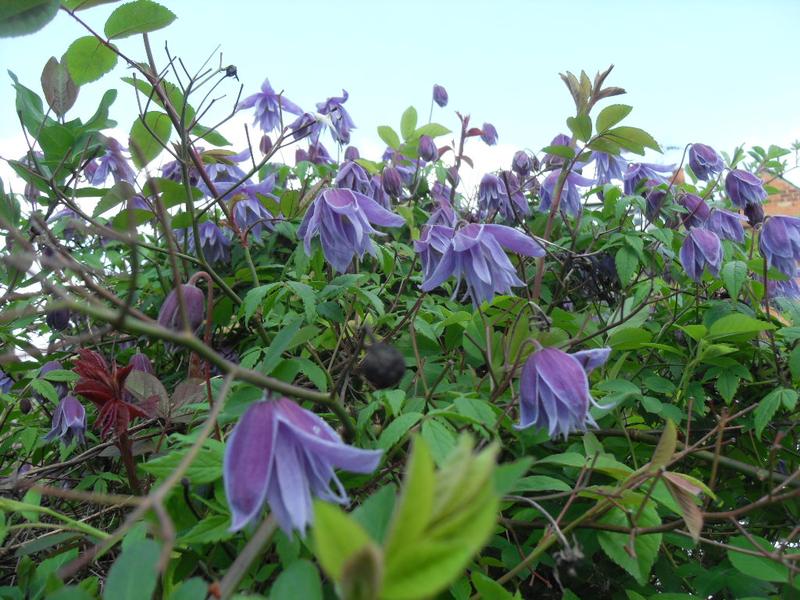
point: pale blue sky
(716, 72)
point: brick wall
(784, 201)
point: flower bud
(489, 134)
(140, 362)
(265, 145)
(754, 214)
(383, 366)
(427, 149)
(170, 315)
(521, 163)
(440, 95)
(392, 182)
(58, 319)
(351, 153)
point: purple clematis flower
(443, 214)
(704, 161)
(521, 164)
(554, 390)
(475, 254)
(555, 160)
(570, 194)
(697, 211)
(214, 243)
(431, 246)
(744, 188)
(60, 386)
(268, 107)
(111, 163)
(493, 197)
(250, 215)
(489, 134)
(786, 289)
(351, 153)
(701, 249)
(392, 181)
(649, 173)
(141, 362)
(654, 202)
(6, 383)
(608, 167)
(353, 176)
(170, 315)
(780, 243)
(72, 224)
(377, 193)
(58, 319)
(440, 95)
(284, 455)
(224, 172)
(726, 224)
(69, 421)
(341, 123)
(316, 153)
(343, 220)
(427, 149)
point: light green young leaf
(139, 16)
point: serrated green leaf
(440, 439)
(21, 17)
(87, 59)
(279, 344)
(611, 115)
(734, 274)
(139, 16)
(144, 145)
(581, 127)
(389, 135)
(299, 580)
(397, 429)
(627, 262)
(408, 122)
(645, 546)
(133, 575)
(737, 324)
(759, 567)
(119, 193)
(766, 409)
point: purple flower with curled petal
(783, 289)
(353, 176)
(440, 95)
(494, 197)
(69, 421)
(427, 149)
(475, 255)
(377, 193)
(431, 246)
(555, 160)
(268, 107)
(608, 167)
(214, 243)
(341, 123)
(521, 164)
(697, 211)
(704, 161)
(223, 170)
(343, 221)
(780, 243)
(744, 188)
(653, 203)
(443, 214)
(111, 163)
(6, 383)
(250, 215)
(489, 134)
(283, 455)
(700, 250)
(648, 174)
(316, 153)
(169, 315)
(570, 194)
(726, 224)
(554, 390)
(305, 125)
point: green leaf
(191, 589)
(627, 263)
(88, 59)
(433, 130)
(309, 298)
(633, 139)
(46, 389)
(440, 439)
(59, 89)
(727, 384)
(253, 298)
(144, 145)
(408, 122)
(375, 512)
(768, 406)
(119, 193)
(489, 589)
(140, 16)
(665, 447)
(645, 546)
(389, 135)
(299, 580)
(337, 537)
(540, 483)
(759, 567)
(611, 115)
(734, 274)
(205, 468)
(562, 151)
(397, 429)
(581, 127)
(212, 529)
(279, 343)
(21, 17)
(133, 575)
(737, 324)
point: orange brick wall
(786, 201)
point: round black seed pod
(383, 366)
(25, 405)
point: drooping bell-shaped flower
(251, 216)
(58, 318)
(476, 256)
(377, 193)
(282, 455)
(6, 382)
(697, 211)
(555, 160)
(726, 224)
(427, 149)
(780, 243)
(69, 421)
(654, 202)
(495, 198)
(489, 134)
(268, 107)
(392, 182)
(433, 242)
(223, 170)
(521, 164)
(351, 153)
(343, 221)
(744, 188)
(443, 213)
(341, 123)
(570, 194)
(554, 390)
(704, 161)
(788, 289)
(104, 386)
(111, 163)
(170, 316)
(647, 174)
(754, 214)
(608, 167)
(353, 176)
(440, 95)
(141, 362)
(215, 244)
(701, 249)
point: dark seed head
(383, 366)
(25, 405)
